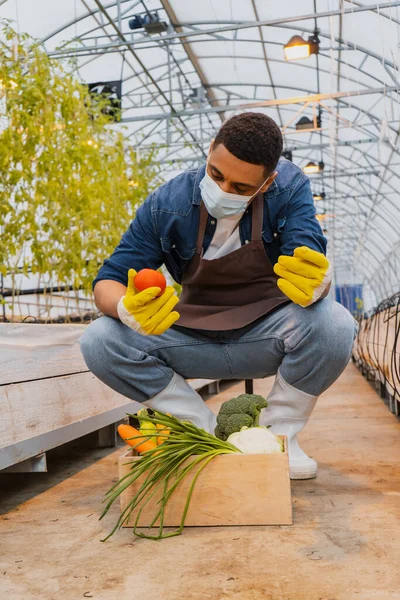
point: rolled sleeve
(139, 248)
(301, 227)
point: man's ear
(269, 181)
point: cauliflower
(256, 440)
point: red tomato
(149, 278)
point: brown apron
(231, 291)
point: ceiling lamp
(312, 168)
(305, 123)
(288, 154)
(297, 47)
(197, 97)
(323, 216)
(320, 196)
(150, 22)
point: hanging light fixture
(311, 168)
(320, 196)
(288, 154)
(151, 22)
(323, 216)
(304, 123)
(297, 47)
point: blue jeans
(310, 346)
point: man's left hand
(305, 276)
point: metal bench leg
(248, 384)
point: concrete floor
(344, 544)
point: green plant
(242, 411)
(70, 180)
(161, 469)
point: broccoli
(242, 411)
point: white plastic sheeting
(218, 53)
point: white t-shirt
(226, 238)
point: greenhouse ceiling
(186, 66)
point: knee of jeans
(334, 328)
(95, 340)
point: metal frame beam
(262, 23)
(260, 104)
(140, 62)
(264, 51)
(200, 31)
(192, 57)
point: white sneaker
(184, 403)
(288, 412)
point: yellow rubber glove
(144, 312)
(304, 276)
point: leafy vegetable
(242, 411)
(163, 468)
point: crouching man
(240, 235)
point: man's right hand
(146, 313)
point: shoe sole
(299, 475)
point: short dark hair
(253, 138)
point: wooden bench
(49, 397)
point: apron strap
(257, 217)
(202, 228)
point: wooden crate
(233, 489)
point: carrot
(140, 443)
(164, 430)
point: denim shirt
(165, 227)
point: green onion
(164, 468)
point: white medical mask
(220, 204)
